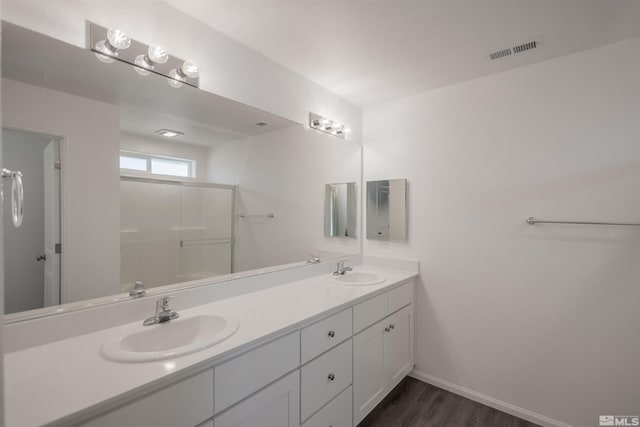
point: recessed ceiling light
(169, 133)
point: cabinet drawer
(400, 297)
(247, 373)
(336, 414)
(369, 312)
(325, 377)
(325, 334)
(187, 403)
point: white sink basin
(170, 339)
(358, 278)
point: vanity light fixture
(113, 44)
(329, 126)
(107, 49)
(169, 133)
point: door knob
(331, 334)
(331, 377)
(42, 257)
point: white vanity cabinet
(382, 353)
(331, 372)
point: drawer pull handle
(386, 329)
(331, 377)
(392, 326)
(331, 334)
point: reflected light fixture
(106, 50)
(189, 69)
(169, 133)
(329, 126)
(156, 54)
(113, 44)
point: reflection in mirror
(183, 230)
(32, 260)
(153, 179)
(340, 210)
(387, 209)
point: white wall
(263, 168)
(169, 148)
(228, 68)
(542, 317)
(90, 181)
(1, 286)
(24, 274)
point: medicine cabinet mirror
(340, 210)
(221, 196)
(387, 209)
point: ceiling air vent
(525, 46)
(514, 50)
(500, 54)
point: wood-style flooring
(416, 404)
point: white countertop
(65, 380)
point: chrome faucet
(163, 312)
(313, 259)
(341, 269)
(138, 290)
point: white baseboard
(488, 400)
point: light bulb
(143, 65)
(175, 80)
(158, 54)
(101, 46)
(190, 69)
(118, 39)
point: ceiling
(371, 51)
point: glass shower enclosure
(174, 231)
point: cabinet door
(368, 370)
(398, 346)
(278, 405)
(187, 403)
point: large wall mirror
(110, 200)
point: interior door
(51, 224)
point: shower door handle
(17, 196)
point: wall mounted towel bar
(17, 195)
(245, 215)
(532, 221)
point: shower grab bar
(204, 242)
(17, 196)
(532, 221)
(245, 215)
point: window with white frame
(152, 164)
